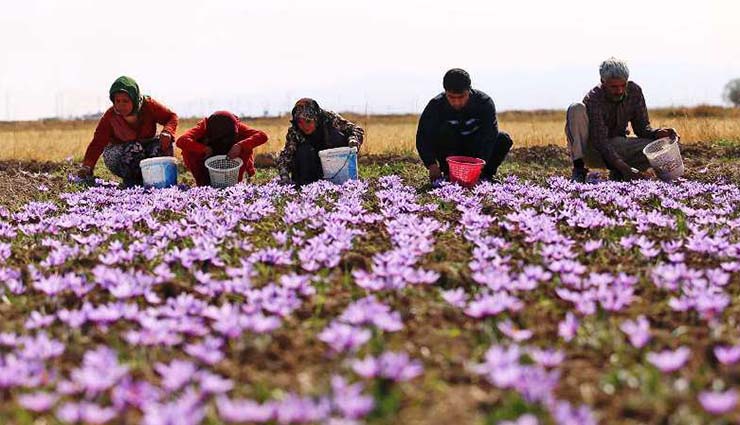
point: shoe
(579, 175)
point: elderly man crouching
(597, 128)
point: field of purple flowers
(531, 300)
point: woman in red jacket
(127, 133)
(220, 134)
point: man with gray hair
(597, 127)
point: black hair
(456, 80)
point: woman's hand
(165, 140)
(234, 152)
(84, 172)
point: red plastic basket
(465, 170)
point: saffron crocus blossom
(348, 399)
(38, 402)
(370, 311)
(566, 414)
(547, 358)
(727, 355)
(100, 371)
(668, 360)
(507, 328)
(718, 403)
(638, 331)
(208, 351)
(242, 410)
(568, 328)
(176, 374)
(455, 297)
(389, 365)
(527, 419)
(342, 337)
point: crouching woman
(222, 133)
(312, 130)
(127, 133)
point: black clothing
(471, 131)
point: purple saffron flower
(568, 328)
(69, 413)
(243, 410)
(456, 297)
(208, 351)
(507, 328)
(718, 403)
(669, 361)
(349, 400)
(727, 355)
(527, 419)
(134, 393)
(95, 414)
(294, 409)
(547, 358)
(390, 365)
(38, 402)
(211, 383)
(637, 331)
(342, 337)
(566, 414)
(176, 374)
(100, 371)
(592, 245)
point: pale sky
(58, 58)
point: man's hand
(234, 152)
(353, 143)
(434, 172)
(631, 173)
(667, 132)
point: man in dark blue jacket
(460, 121)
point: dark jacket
(608, 119)
(475, 125)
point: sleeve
(188, 142)
(102, 136)
(249, 137)
(640, 120)
(425, 134)
(599, 135)
(352, 130)
(489, 127)
(164, 116)
(287, 155)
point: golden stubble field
(58, 140)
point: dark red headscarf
(221, 130)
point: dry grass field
(57, 140)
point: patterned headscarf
(127, 85)
(307, 109)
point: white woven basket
(224, 172)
